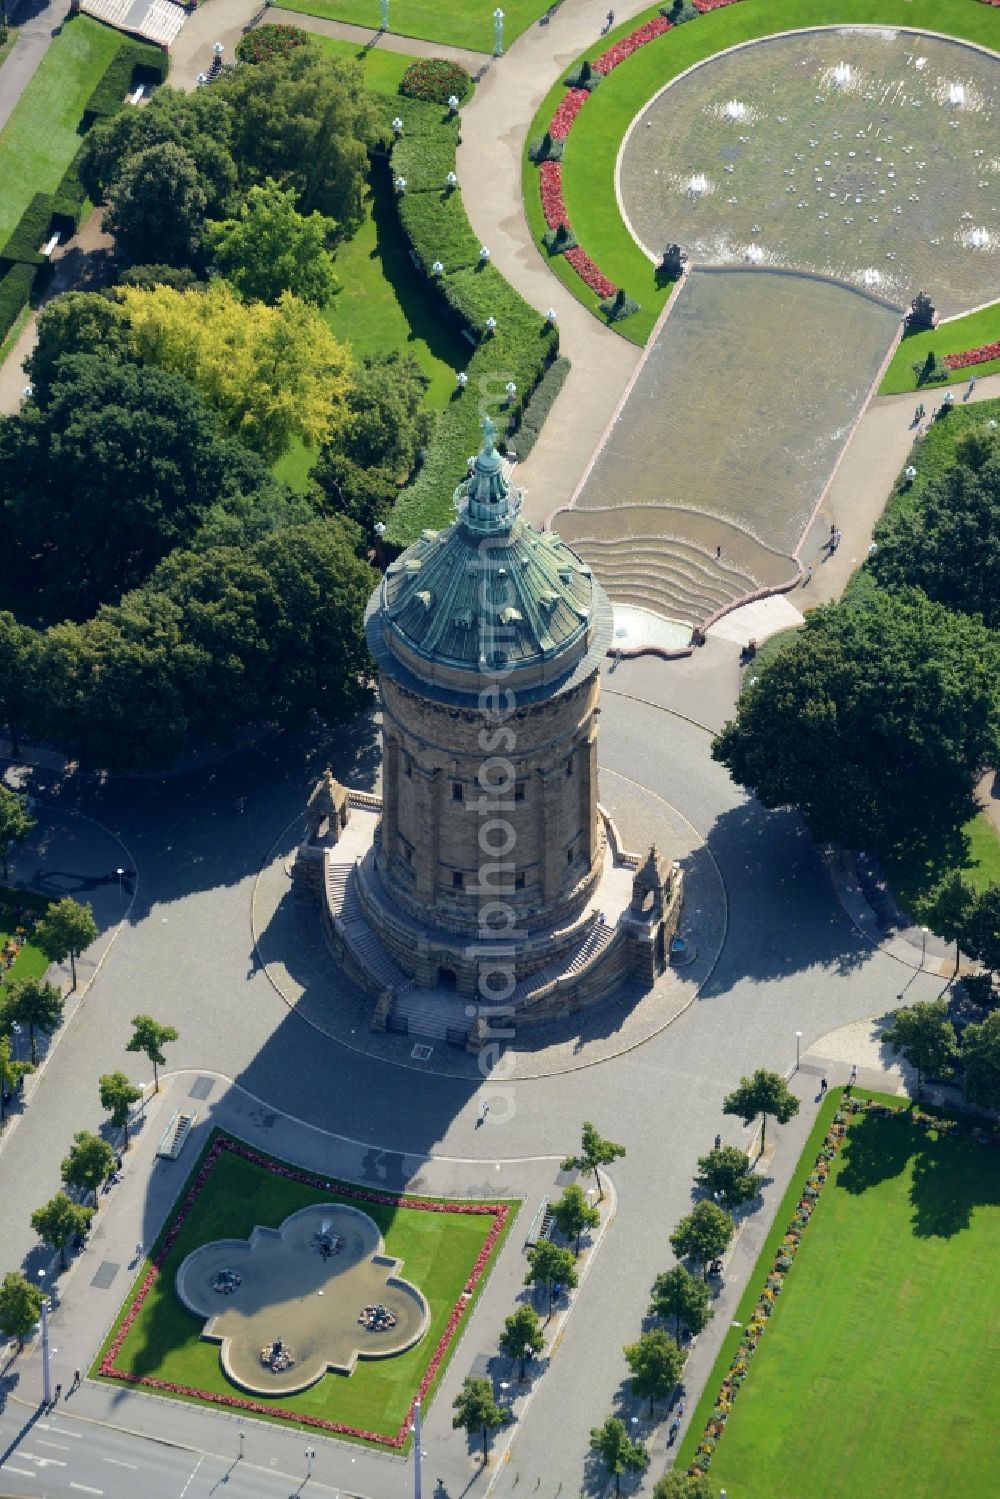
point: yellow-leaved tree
(272, 373)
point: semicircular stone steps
(663, 558)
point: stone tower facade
(487, 869)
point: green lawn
(881, 1363)
(385, 304)
(41, 138)
(592, 144)
(30, 962)
(8, 46)
(953, 337)
(438, 1252)
(449, 21)
(383, 70)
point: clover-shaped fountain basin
(288, 1304)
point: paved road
(37, 24)
(57, 1454)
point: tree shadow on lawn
(951, 1178)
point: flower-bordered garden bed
(137, 1365)
(590, 146)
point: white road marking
(24, 1472)
(44, 1462)
(60, 1431)
(60, 1446)
(189, 1482)
(84, 1489)
(119, 1464)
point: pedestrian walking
(77, 1380)
(822, 1087)
(610, 20)
(854, 1075)
(835, 541)
(718, 1142)
(807, 575)
(718, 554)
(57, 1392)
(484, 1109)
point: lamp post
(46, 1353)
(310, 1454)
(385, 16)
(798, 1048)
(923, 945)
(243, 1437)
(498, 32)
(121, 875)
(416, 1450)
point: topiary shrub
(585, 76)
(265, 43)
(560, 239)
(436, 80)
(678, 11)
(930, 370)
(618, 307)
(546, 147)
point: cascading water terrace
(864, 154)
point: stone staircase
(663, 558)
(365, 947)
(436, 1014)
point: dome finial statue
(489, 432)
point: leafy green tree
(158, 206)
(766, 1093)
(59, 1222)
(88, 1164)
(272, 248)
(595, 1151)
(522, 1335)
(146, 277)
(387, 423)
(618, 1453)
(550, 1265)
(679, 1294)
(981, 1060)
(342, 487)
(948, 543)
(678, 1485)
(119, 467)
(656, 1362)
(150, 1037)
(199, 122)
(118, 1094)
(11, 1071)
(476, 1410)
(307, 122)
(874, 721)
(15, 824)
(726, 1173)
(573, 1214)
(981, 937)
(36, 1004)
(78, 322)
(66, 929)
(20, 1306)
(946, 910)
(703, 1235)
(18, 675)
(926, 1038)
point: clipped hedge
(29, 233)
(132, 58)
(420, 118)
(538, 407)
(437, 228)
(521, 349)
(424, 161)
(15, 291)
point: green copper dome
(489, 594)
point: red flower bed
(500, 1211)
(631, 43)
(553, 207)
(984, 351)
(704, 5)
(567, 112)
(589, 272)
